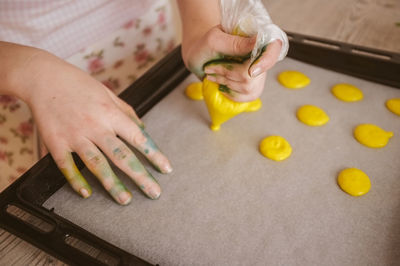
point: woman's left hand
(243, 81)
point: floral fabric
(116, 61)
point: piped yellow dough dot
(372, 136)
(293, 79)
(275, 148)
(394, 105)
(347, 92)
(312, 115)
(354, 182)
(195, 91)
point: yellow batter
(293, 79)
(372, 136)
(394, 105)
(312, 115)
(275, 148)
(347, 92)
(354, 182)
(195, 91)
(220, 108)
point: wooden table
(371, 23)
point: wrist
(19, 69)
(28, 75)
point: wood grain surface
(370, 23)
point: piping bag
(245, 18)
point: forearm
(198, 17)
(17, 68)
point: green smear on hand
(226, 60)
(118, 153)
(259, 55)
(136, 165)
(224, 89)
(228, 66)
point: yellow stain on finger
(394, 105)
(195, 91)
(347, 92)
(220, 108)
(372, 136)
(312, 115)
(354, 182)
(275, 148)
(293, 79)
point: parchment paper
(226, 204)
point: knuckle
(130, 109)
(238, 76)
(137, 138)
(96, 160)
(232, 73)
(114, 113)
(236, 45)
(244, 75)
(247, 82)
(230, 76)
(121, 152)
(245, 87)
(61, 162)
(125, 106)
(246, 90)
(107, 106)
(219, 79)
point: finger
(238, 91)
(67, 166)
(229, 44)
(125, 159)
(98, 165)
(267, 59)
(234, 87)
(126, 108)
(233, 72)
(139, 139)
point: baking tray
(21, 210)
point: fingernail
(211, 78)
(255, 72)
(163, 164)
(84, 192)
(124, 197)
(167, 169)
(154, 193)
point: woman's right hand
(76, 113)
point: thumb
(230, 44)
(267, 59)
